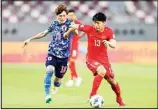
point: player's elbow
(41, 35)
(113, 46)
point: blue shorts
(60, 65)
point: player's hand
(26, 42)
(105, 42)
(74, 26)
(66, 34)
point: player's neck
(102, 30)
(63, 22)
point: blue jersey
(59, 46)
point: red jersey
(74, 42)
(96, 48)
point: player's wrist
(106, 43)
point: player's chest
(58, 32)
(60, 29)
(96, 40)
(99, 36)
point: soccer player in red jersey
(99, 38)
(74, 76)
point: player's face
(71, 16)
(62, 17)
(99, 25)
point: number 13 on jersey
(97, 42)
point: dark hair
(71, 10)
(99, 17)
(60, 8)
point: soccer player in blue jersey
(58, 51)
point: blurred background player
(58, 51)
(99, 38)
(74, 75)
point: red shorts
(73, 54)
(93, 65)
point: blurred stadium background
(134, 61)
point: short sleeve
(85, 28)
(111, 34)
(51, 27)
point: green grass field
(22, 87)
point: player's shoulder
(54, 23)
(91, 28)
(69, 21)
(108, 29)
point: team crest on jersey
(49, 58)
(64, 28)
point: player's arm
(38, 36)
(81, 27)
(111, 43)
(70, 30)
